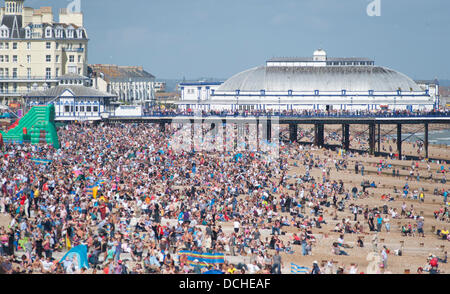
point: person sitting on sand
(337, 250)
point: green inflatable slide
(37, 127)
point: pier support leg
(346, 137)
(162, 127)
(267, 130)
(399, 141)
(293, 132)
(319, 131)
(379, 138)
(426, 141)
(372, 139)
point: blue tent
(80, 252)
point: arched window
(4, 32)
(48, 32)
(59, 32)
(80, 33)
(70, 31)
(27, 33)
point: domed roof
(322, 78)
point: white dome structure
(319, 83)
(320, 55)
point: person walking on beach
(276, 263)
(379, 223)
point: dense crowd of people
(121, 190)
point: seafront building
(36, 50)
(130, 84)
(313, 83)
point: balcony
(12, 93)
(79, 50)
(5, 79)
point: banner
(39, 161)
(204, 259)
(296, 269)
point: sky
(192, 39)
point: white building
(35, 49)
(314, 83)
(74, 102)
(197, 95)
(130, 84)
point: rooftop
(116, 73)
(77, 90)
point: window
(6, 72)
(1, 46)
(14, 59)
(29, 45)
(79, 33)
(263, 92)
(14, 73)
(95, 108)
(48, 32)
(29, 73)
(67, 108)
(59, 33)
(290, 92)
(2, 58)
(70, 32)
(27, 33)
(57, 72)
(14, 46)
(48, 58)
(79, 58)
(81, 108)
(4, 33)
(28, 58)
(28, 87)
(316, 92)
(371, 92)
(344, 92)
(88, 109)
(15, 88)
(57, 46)
(71, 58)
(48, 45)
(57, 58)
(7, 46)
(48, 73)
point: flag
(296, 269)
(92, 191)
(204, 259)
(80, 252)
(68, 244)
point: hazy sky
(219, 38)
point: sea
(440, 137)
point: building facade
(35, 49)
(74, 102)
(160, 87)
(197, 95)
(130, 84)
(317, 83)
